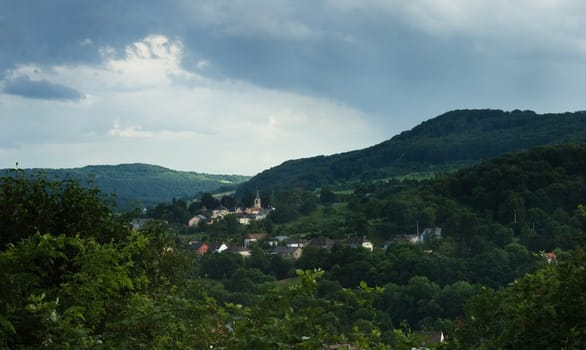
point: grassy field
(326, 220)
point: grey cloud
(40, 89)
(51, 32)
(380, 58)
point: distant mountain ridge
(139, 185)
(451, 140)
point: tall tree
(543, 310)
(208, 201)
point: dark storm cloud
(363, 58)
(40, 89)
(53, 32)
(403, 60)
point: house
(218, 246)
(278, 240)
(550, 257)
(430, 339)
(252, 238)
(411, 238)
(296, 243)
(219, 212)
(322, 242)
(281, 238)
(427, 235)
(243, 251)
(288, 252)
(139, 224)
(357, 242)
(196, 220)
(244, 220)
(261, 214)
(430, 234)
(200, 248)
(387, 244)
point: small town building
(243, 251)
(288, 252)
(277, 240)
(550, 257)
(196, 220)
(220, 212)
(360, 242)
(322, 242)
(244, 220)
(218, 246)
(411, 238)
(430, 234)
(296, 243)
(140, 223)
(200, 248)
(253, 238)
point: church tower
(257, 201)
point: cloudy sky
(238, 86)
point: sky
(239, 86)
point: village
(285, 246)
(282, 245)
(244, 215)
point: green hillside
(452, 140)
(143, 184)
(503, 267)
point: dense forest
(506, 272)
(450, 141)
(141, 185)
(77, 276)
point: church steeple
(257, 200)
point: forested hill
(142, 184)
(452, 140)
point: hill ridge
(449, 141)
(141, 184)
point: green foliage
(220, 266)
(48, 282)
(73, 292)
(292, 204)
(176, 212)
(327, 220)
(494, 218)
(543, 310)
(298, 319)
(94, 283)
(208, 201)
(76, 276)
(327, 196)
(420, 302)
(228, 202)
(181, 319)
(41, 205)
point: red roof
(550, 257)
